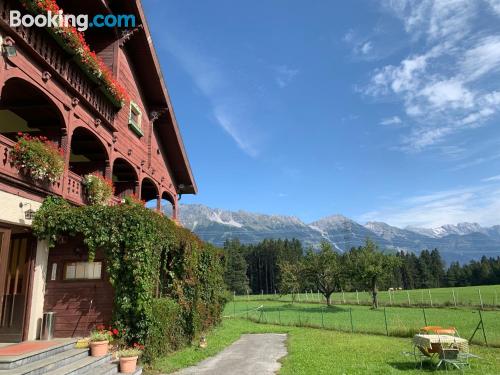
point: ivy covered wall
(147, 257)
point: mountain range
(461, 242)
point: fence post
(496, 299)
(430, 297)
(425, 317)
(357, 296)
(482, 326)
(247, 309)
(422, 292)
(454, 298)
(322, 319)
(390, 297)
(234, 304)
(279, 314)
(318, 296)
(480, 298)
(385, 319)
(408, 294)
(352, 324)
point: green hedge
(166, 333)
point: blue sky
(378, 110)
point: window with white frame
(82, 270)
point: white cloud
(495, 6)
(482, 59)
(229, 104)
(285, 75)
(394, 120)
(446, 94)
(366, 48)
(441, 87)
(478, 204)
(491, 179)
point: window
(134, 119)
(82, 271)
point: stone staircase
(61, 359)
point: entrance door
(14, 279)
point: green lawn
(316, 351)
(464, 296)
(401, 321)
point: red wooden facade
(44, 92)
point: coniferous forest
(259, 268)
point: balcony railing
(59, 63)
(69, 187)
(8, 169)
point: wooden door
(15, 286)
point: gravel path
(251, 354)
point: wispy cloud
(284, 75)
(229, 105)
(391, 121)
(491, 179)
(441, 87)
(495, 5)
(479, 203)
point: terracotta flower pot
(98, 348)
(128, 364)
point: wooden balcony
(70, 186)
(43, 49)
(10, 172)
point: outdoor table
(431, 342)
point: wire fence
(481, 297)
(482, 327)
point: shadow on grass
(412, 366)
(297, 308)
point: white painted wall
(38, 290)
(11, 210)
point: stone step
(83, 366)
(44, 365)
(12, 362)
(112, 369)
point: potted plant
(74, 43)
(99, 189)
(99, 341)
(38, 158)
(128, 358)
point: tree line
(283, 266)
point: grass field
(463, 296)
(316, 351)
(401, 321)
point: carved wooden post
(158, 203)
(175, 214)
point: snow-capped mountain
(463, 241)
(445, 230)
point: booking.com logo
(80, 22)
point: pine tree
(235, 274)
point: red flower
(115, 331)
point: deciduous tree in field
(370, 267)
(290, 278)
(324, 270)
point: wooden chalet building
(44, 92)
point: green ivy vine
(146, 254)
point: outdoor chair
(422, 354)
(451, 356)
